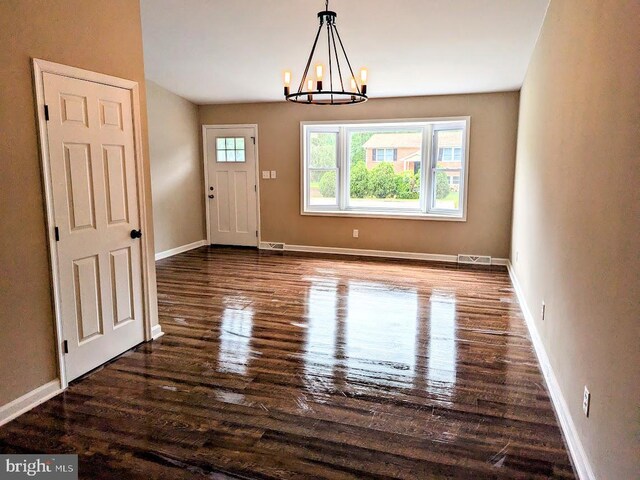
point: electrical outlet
(265, 174)
(586, 401)
(543, 310)
(273, 174)
(355, 233)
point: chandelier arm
(335, 49)
(345, 56)
(313, 49)
(329, 49)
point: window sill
(388, 215)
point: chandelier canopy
(336, 94)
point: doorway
(231, 184)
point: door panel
(116, 186)
(86, 281)
(79, 185)
(241, 200)
(74, 110)
(223, 205)
(123, 294)
(232, 196)
(95, 204)
(110, 114)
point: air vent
(475, 259)
(275, 246)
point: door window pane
(230, 149)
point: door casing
(205, 155)
(148, 297)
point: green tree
(442, 185)
(359, 181)
(382, 182)
(323, 149)
(356, 144)
(328, 184)
(407, 185)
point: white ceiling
(217, 51)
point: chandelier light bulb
(287, 82)
(353, 84)
(309, 89)
(319, 72)
(363, 78)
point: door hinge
(254, 140)
(57, 234)
(46, 112)
(65, 346)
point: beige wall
(103, 36)
(492, 152)
(176, 169)
(576, 227)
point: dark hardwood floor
(296, 367)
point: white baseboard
(181, 249)
(156, 332)
(576, 449)
(29, 400)
(434, 257)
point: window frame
(429, 159)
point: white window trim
(424, 213)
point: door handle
(136, 234)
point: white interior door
(95, 203)
(232, 188)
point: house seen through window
(413, 168)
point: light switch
(273, 174)
(265, 174)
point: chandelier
(336, 94)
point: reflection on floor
(285, 366)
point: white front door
(232, 188)
(95, 203)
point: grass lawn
(453, 197)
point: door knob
(136, 233)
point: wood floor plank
(297, 366)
